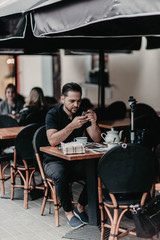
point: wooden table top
(108, 124)
(70, 157)
(7, 133)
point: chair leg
(102, 210)
(103, 217)
(2, 180)
(56, 209)
(12, 171)
(44, 200)
(3, 177)
(56, 203)
(113, 235)
(102, 225)
(26, 189)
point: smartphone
(84, 113)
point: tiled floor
(18, 223)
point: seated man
(64, 123)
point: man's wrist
(94, 123)
(69, 127)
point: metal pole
(132, 133)
(101, 77)
(132, 104)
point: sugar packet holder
(72, 148)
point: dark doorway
(56, 77)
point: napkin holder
(72, 148)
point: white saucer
(87, 143)
(114, 142)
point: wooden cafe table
(8, 133)
(91, 166)
(117, 124)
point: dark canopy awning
(41, 26)
(100, 18)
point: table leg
(92, 188)
(91, 230)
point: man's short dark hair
(74, 87)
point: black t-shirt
(58, 119)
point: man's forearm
(94, 132)
(61, 135)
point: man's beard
(70, 110)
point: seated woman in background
(35, 108)
(11, 105)
(145, 117)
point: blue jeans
(63, 172)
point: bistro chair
(5, 122)
(147, 121)
(40, 140)
(125, 177)
(24, 165)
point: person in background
(86, 103)
(11, 105)
(51, 101)
(147, 125)
(63, 123)
(35, 108)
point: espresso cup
(81, 139)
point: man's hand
(94, 130)
(14, 116)
(91, 116)
(55, 136)
(79, 121)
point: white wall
(73, 68)
(136, 74)
(35, 71)
(47, 75)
